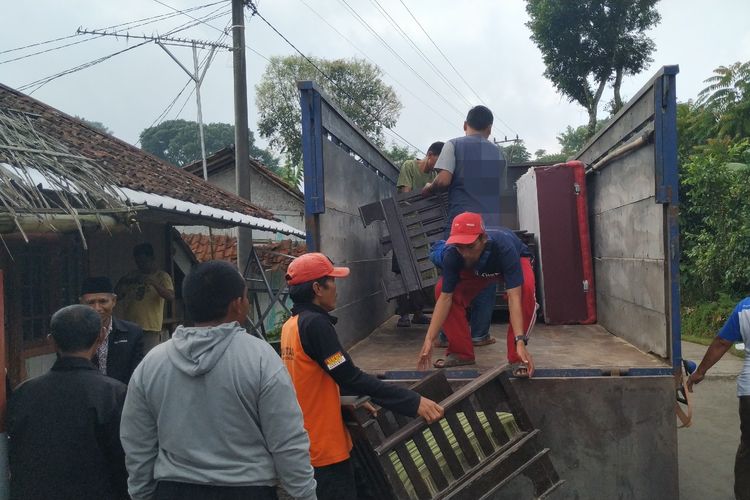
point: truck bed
(390, 348)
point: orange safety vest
(320, 400)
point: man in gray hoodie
(212, 413)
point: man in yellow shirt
(141, 295)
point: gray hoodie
(214, 405)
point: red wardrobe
(552, 205)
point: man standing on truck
(320, 368)
(471, 258)
(414, 176)
(736, 329)
(472, 168)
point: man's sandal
(451, 360)
(487, 341)
(521, 371)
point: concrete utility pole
(196, 75)
(241, 143)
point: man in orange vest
(320, 367)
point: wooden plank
(467, 449)
(393, 477)
(528, 464)
(489, 402)
(417, 481)
(479, 433)
(434, 386)
(436, 472)
(451, 458)
(375, 476)
(418, 424)
(457, 489)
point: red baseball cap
(465, 229)
(312, 266)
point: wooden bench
(485, 440)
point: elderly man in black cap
(122, 349)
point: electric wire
(328, 77)
(407, 89)
(36, 85)
(434, 44)
(383, 12)
(367, 26)
(124, 26)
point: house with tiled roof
(284, 201)
(74, 202)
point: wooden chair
(484, 441)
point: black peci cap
(97, 284)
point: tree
(715, 228)
(572, 140)
(623, 32)
(585, 42)
(95, 125)
(358, 90)
(516, 152)
(178, 142)
(728, 97)
(399, 154)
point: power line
(171, 105)
(450, 63)
(328, 77)
(416, 48)
(36, 85)
(364, 23)
(210, 26)
(415, 95)
(143, 22)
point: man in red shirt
(471, 259)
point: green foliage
(585, 42)
(398, 154)
(359, 91)
(705, 319)
(178, 142)
(572, 140)
(727, 96)
(516, 152)
(715, 186)
(552, 158)
(95, 125)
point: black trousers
(336, 481)
(742, 462)
(171, 490)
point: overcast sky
(486, 40)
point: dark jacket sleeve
(320, 342)
(110, 435)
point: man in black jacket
(64, 426)
(122, 348)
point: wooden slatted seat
(484, 441)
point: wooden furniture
(485, 440)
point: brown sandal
(452, 360)
(487, 341)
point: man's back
(478, 169)
(213, 406)
(63, 429)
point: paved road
(707, 448)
